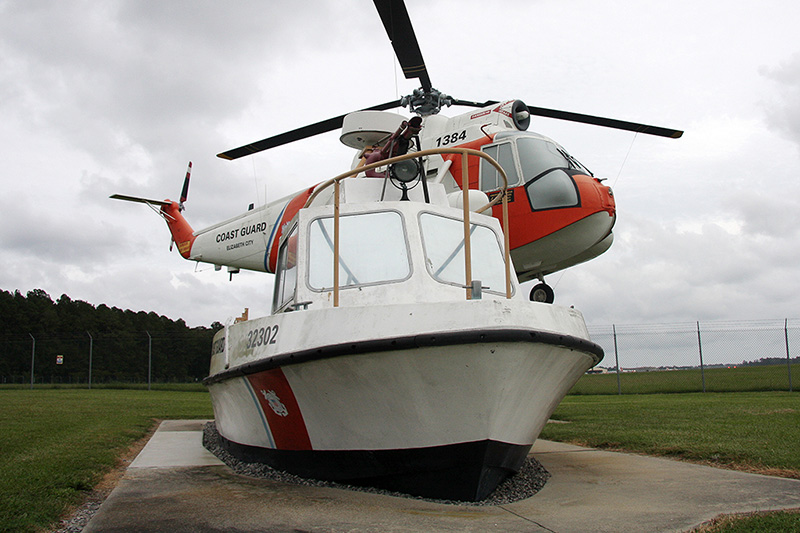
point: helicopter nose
(606, 197)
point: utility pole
(702, 366)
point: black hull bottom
(467, 471)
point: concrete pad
(590, 490)
(608, 491)
(175, 443)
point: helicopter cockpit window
(443, 239)
(286, 281)
(372, 249)
(540, 155)
(503, 153)
(544, 166)
(554, 189)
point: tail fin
(137, 199)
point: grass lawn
(752, 430)
(733, 379)
(57, 444)
(755, 523)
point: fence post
(149, 357)
(91, 345)
(616, 358)
(788, 358)
(700, 348)
(33, 357)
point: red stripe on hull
(281, 409)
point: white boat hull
(429, 408)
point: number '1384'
(452, 138)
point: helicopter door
(503, 153)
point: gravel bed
(78, 519)
(527, 482)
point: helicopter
(559, 213)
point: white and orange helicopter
(560, 215)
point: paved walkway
(176, 485)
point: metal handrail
(465, 153)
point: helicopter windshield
(539, 155)
(534, 155)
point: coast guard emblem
(275, 402)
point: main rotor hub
(425, 103)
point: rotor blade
(397, 23)
(606, 122)
(586, 119)
(185, 190)
(470, 103)
(298, 134)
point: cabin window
(503, 153)
(554, 189)
(286, 279)
(372, 249)
(443, 239)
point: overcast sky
(111, 97)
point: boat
(400, 353)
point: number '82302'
(262, 336)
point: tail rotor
(185, 190)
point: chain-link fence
(103, 358)
(695, 357)
(648, 358)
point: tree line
(35, 326)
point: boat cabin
(389, 250)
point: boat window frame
(280, 272)
(500, 244)
(342, 216)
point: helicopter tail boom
(182, 232)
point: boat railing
(502, 196)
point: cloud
(783, 110)
(116, 97)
